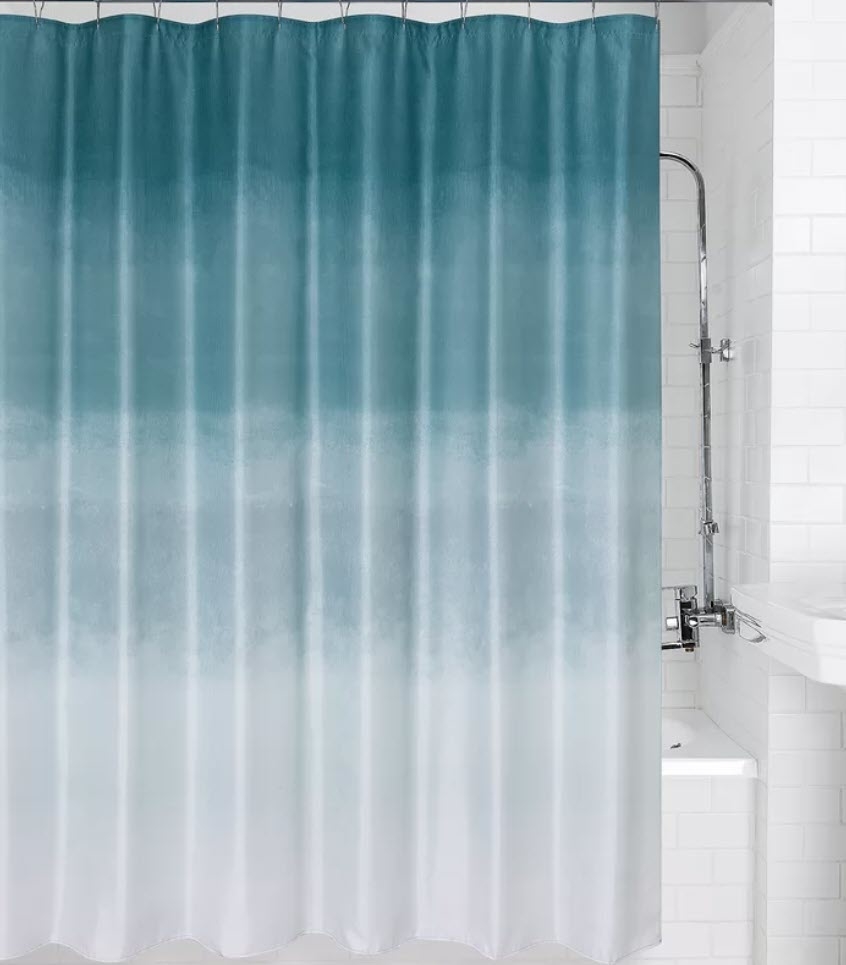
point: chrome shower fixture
(688, 616)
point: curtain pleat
(329, 484)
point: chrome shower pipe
(707, 525)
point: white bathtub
(708, 800)
(692, 745)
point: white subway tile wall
(805, 766)
(806, 879)
(737, 92)
(808, 494)
(797, 496)
(737, 136)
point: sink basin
(802, 625)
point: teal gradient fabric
(330, 483)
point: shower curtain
(329, 477)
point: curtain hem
(216, 949)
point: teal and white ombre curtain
(329, 478)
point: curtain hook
(593, 11)
(279, 13)
(529, 16)
(657, 13)
(464, 4)
(404, 11)
(98, 14)
(157, 11)
(343, 15)
(217, 13)
(38, 11)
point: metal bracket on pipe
(719, 614)
(724, 352)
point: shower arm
(689, 616)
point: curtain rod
(229, 3)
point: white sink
(802, 625)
